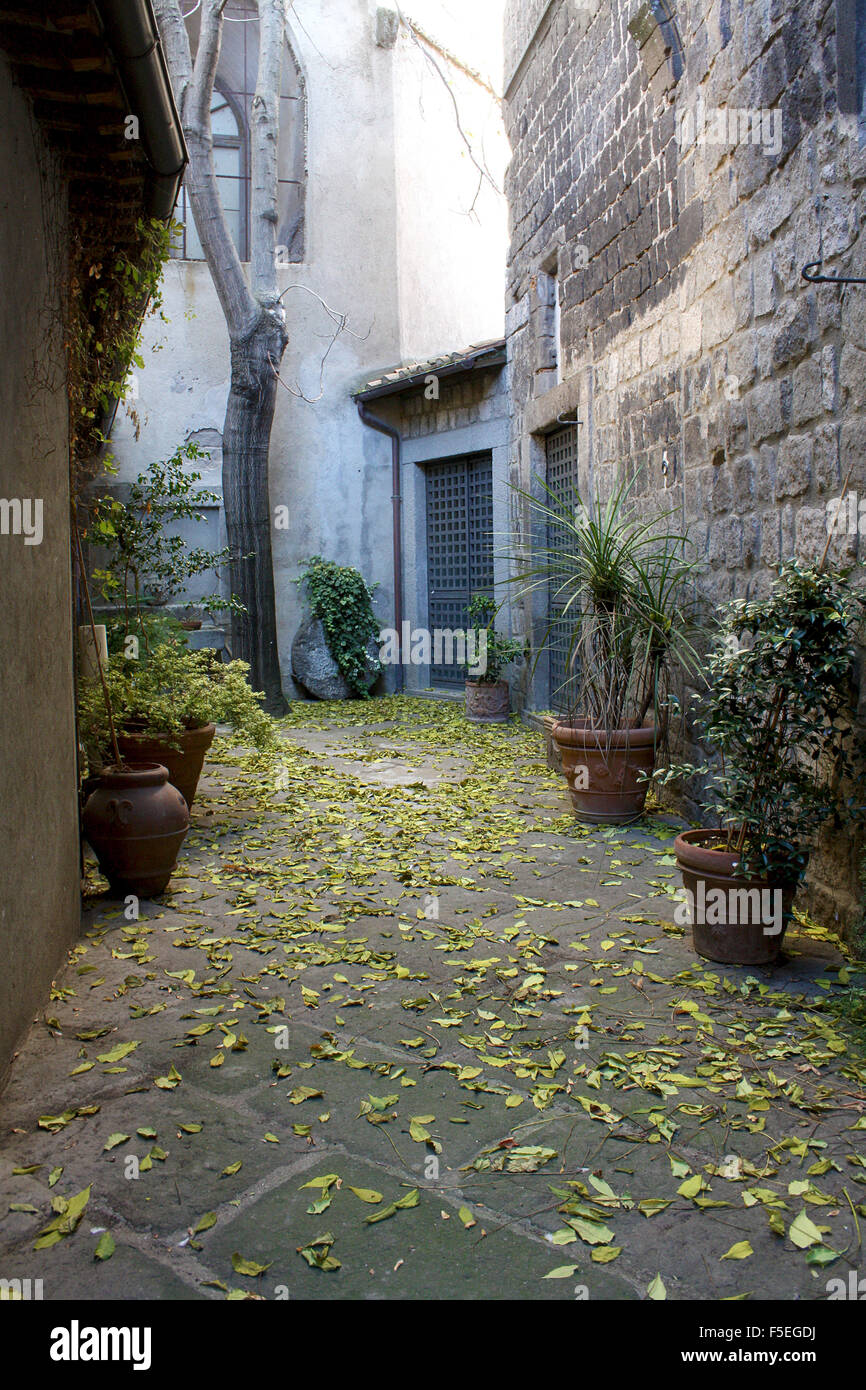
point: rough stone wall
(685, 326)
(39, 853)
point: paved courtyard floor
(403, 1029)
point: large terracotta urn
(136, 822)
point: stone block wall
(674, 168)
(481, 398)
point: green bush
(777, 712)
(145, 564)
(174, 690)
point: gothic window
(234, 90)
(230, 164)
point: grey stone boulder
(315, 669)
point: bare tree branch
(424, 43)
(204, 70)
(342, 326)
(193, 85)
(175, 41)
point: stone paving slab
(505, 992)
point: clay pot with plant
(488, 699)
(776, 719)
(620, 586)
(134, 820)
(167, 703)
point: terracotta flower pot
(487, 702)
(136, 822)
(184, 764)
(738, 921)
(604, 770)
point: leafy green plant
(342, 601)
(145, 564)
(621, 585)
(500, 651)
(110, 293)
(151, 629)
(174, 690)
(777, 713)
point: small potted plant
(488, 699)
(776, 712)
(146, 563)
(167, 704)
(618, 583)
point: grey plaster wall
(39, 880)
(390, 243)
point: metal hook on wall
(829, 279)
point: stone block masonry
(676, 198)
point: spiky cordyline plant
(622, 583)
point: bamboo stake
(115, 746)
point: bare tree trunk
(254, 317)
(246, 442)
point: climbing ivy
(340, 598)
(110, 293)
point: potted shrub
(167, 704)
(619, 584)
(487, 695)
(776, 712)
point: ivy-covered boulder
(335, 655)
(315, 669)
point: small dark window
(851, 56)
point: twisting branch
(342, 326)
(424, 44)
(264, 129)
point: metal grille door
(562, 481)
(459, 548)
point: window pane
(222, 117)
(194, 251)
(227, 162)
(234, 224)
(230, 194)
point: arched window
(230, 153)
(230, 112)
